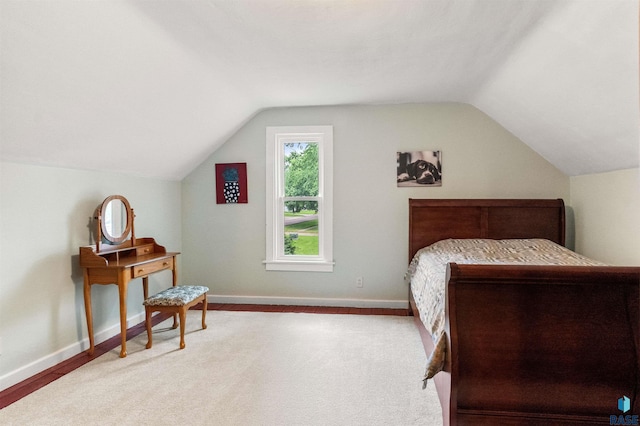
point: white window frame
(276, 260)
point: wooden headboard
(432, 220)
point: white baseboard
(309, 301)
(38, 366)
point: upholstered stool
(176, 300)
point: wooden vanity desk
(117, 261)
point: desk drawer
(145, 249)
(151, 267)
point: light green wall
(224, 245)
(44, 218)
(607, 216)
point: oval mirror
(115, 218)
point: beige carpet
(249, 368)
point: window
(299, 198)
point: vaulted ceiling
(153, 87)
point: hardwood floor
(24, 388)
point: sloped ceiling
(153, 87)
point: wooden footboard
(541, 344)
(530, 344)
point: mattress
(427, 271)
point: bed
(521, 343)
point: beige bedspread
(427, 271)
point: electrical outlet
(359, 282)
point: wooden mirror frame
(101, 218)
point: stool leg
(183, 320)
(147, 311)
(204, 311)
(175, 321)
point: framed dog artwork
(419, 168)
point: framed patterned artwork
(231, 183)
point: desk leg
(145, 287)
(174, 273)
(122, 291)
(87, 310)
(147, 316)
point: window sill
(299, 266)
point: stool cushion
(176, 296)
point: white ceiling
(153, 87)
